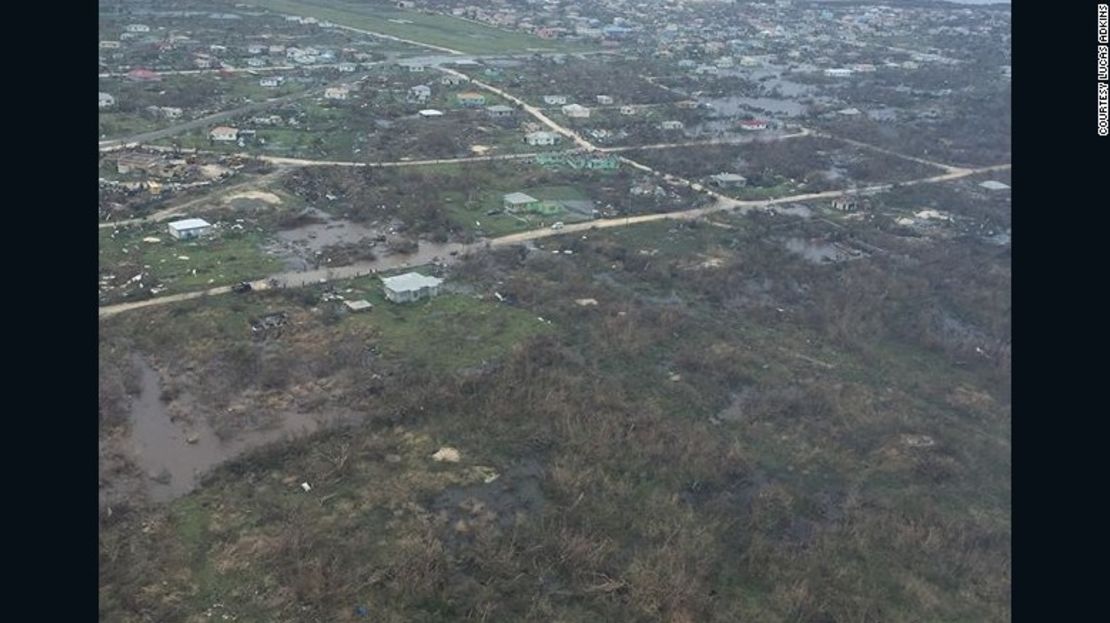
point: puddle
(161, 449)
(820, 252)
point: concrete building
(554, 100)
(336, 93)
(728, 180)
(519, 202)
(541, 138)
(471, 99)
(189, 228)
(499, 110)
(604, 100)
(223, 133)
(410, 287)
(576, 111)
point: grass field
(439, 30)
(178, 266)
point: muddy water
(172, 465)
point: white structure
(994, 185)
(576, 111)
(420, 92)
(336, 93)
(499, 110)
(706, 70)
(672, 125)
(223, 133)
(430, 112)
(554, 100)
(106, 100)
(604, 100)
(410, 287)
(839, 72)
(726, 180)
(109, 45)
(271, 81)
(451, 80)
(628, 110)
(358, 306)
(515, 202)
(190, 228)
(347, 67)
(541, 138)
(137, 28)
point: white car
(558, 225)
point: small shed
(410, 287)
(189, 228)
(360, 305)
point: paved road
(298, 279)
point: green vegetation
(172, 265)
(433, 29)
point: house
(271, 81)
(256, 62)
(838, 72)
(410, 287)
(604, 100)
(337, 93)
(171, 112)
(752, 125)
(276, 49)
(628, 110)
(517, 202)
(143, 75)
(360, 305)
(255, 49)
(347, 67)
(109, 45)
(106, 100)
(541, 138)
(725, 62)
(672, 125)
(703, 70)
(848, 112)
(190, 228)
(728, 180)
(137, 28)
(499, 111)
(686, 104)
(430, 112)
(471, 99)
(577, 111)
(554, 100)
(223, 133)
(844, 205)
(148, 163)
(420, 93)
(451, 80)
(415, 67)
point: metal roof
(190, 223)
(410, 281)
(520, 198)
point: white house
(410, 287)
(223, 133)
(189, 228)
(628, 110)
(337, 93)
(256, 62)
(554, 100)
(255, 49)
(516, 202)
(499, 110)
(106, 100)
(137, 28)
(727, 180)
(672, 125)
(430, 112)
(347, 67)
(706, 70)
(541, 138)
(109, 45)
(838, 72)
(576, 111)
(450, 80)
(271, 81)
(604, 100)
(415, 67)
(420, 92)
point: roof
(729, 177)
(190, 223)
(520, 198)
(358, 305)
(994, 185)
(223, 129)
(541, 134)
(430, 112)
(410, 281)
(470, 95)
(499, 108)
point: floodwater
(173, 465)
(299, 245)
